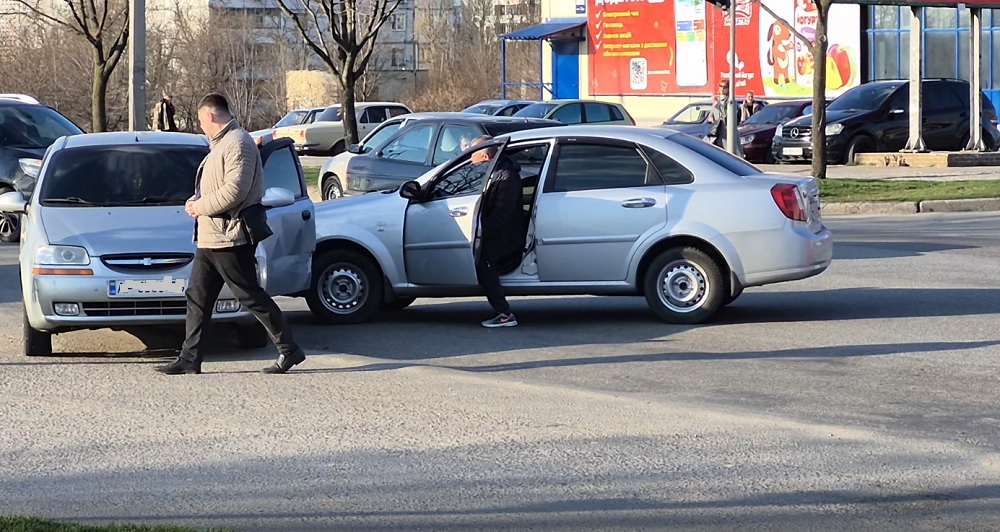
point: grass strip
(857, 190)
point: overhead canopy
(931, 3)
(546, 29)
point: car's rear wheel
(252, 335)
(331, 188)
(36, 343)
(10, 222)
(346, 287)
(399, 303)
(684, 285)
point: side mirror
(410, 190)
(13, 202)
(273, 197)
(354, 148)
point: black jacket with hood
(502, 213)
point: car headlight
(747, 139)
(834, 129)
(777, 131)
(62, 256)
(30, 167)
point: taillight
(302, 134)
(789, 201)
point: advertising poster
(658, 47)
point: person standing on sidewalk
(230, 178)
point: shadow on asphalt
(890, 250)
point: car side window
(466, 179)
(939, 99)
(281, 171)
(616, 113)
(453, 140)
(569, 114)
(379, 136)
(412, 146)
(599, 166)
(669, 171)
(397, 110)
(373, 115)
(597, 112)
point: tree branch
(798, 35)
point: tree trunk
(349, 116)
(819, 92)
(99, 95)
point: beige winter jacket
(231, 178)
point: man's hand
(189, 208)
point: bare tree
(353, 27)
(104, 24)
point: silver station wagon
(105, 241)
(610, 210)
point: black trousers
(489, 279)
(235, 267)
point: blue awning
(545, 29)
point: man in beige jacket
(229, 179)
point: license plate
(168, 286)
(791, 151)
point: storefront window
(940, 54)
(885, 65)
(904, 55)
(940, 17)
(885, 17)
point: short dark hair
(490, 150)
(216, 102)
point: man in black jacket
(501, 222)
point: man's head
(484, 154)
(749, 97)
(213, 114)
(724, 88)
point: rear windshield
(481, 109)
(33, 126)
(536, 110)
(715, 154)
(495, 130)
(331, 114)
(121, 175)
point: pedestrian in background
(165, 115)
(748, 107)
(718, 116)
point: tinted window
(495, 130)
(412, 146)
(536, 110)
(331, 114)
(281, 171)
(616, 114)
(598, 112)
(397, 110)
(669, 170)
(939, 98)
(510, 110)
(863, 97)
(32, 126)
(774, 114)
(595, 166)
(452, 141)
(379, 136)
(569, 114)
(115, 175)
(717, 155)
(291, 118)
(481, 109)
(373, 115)
(466, 179)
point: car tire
(684, 285)
(346, 287)
(252, 336)
(398, 304)
(332, 189)
(10, 223)
(858, 144)
(36, 343)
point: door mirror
(12, 202)
(273, 197)
(354, 148)
(410, 190)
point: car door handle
(306, 215)
(460, 211)
(638, 203)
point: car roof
(122, 138)
(369, 104)
(481, 119)
(612, 132)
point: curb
(912, 207)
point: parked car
(27, 129)
(757, 132)
(334, 170)
(875, 117)
(610, 210)
(498, 107)
(107, 243)
(326, 134)
(425, 143)
(578, 112)
(693, 118)
(293, 118)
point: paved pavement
(861, 399)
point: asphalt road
(861, 399)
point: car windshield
(536, 110)
(33, 126)
(717, 155)
(483, 109)
(692, 114)
(291, 118)
(121, 175)
(331, 114)
(774, 114)
(863, 97)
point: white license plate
(791, 151)
(168, 286)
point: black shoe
(285, 362)
(181, 366)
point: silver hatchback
(105, 241)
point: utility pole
(732, 139)
(137, 65)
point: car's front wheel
(331, 188)
(36, 343)
(346, 287)
(10, 222)
(684, 285)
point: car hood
(350, 207)
(753, 129)
(147, 229)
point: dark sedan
(423, 144)
(757, 132)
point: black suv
(27, 129)
(875, 117)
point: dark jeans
(235, 267)
(489, 279)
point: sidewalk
(890, 172)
